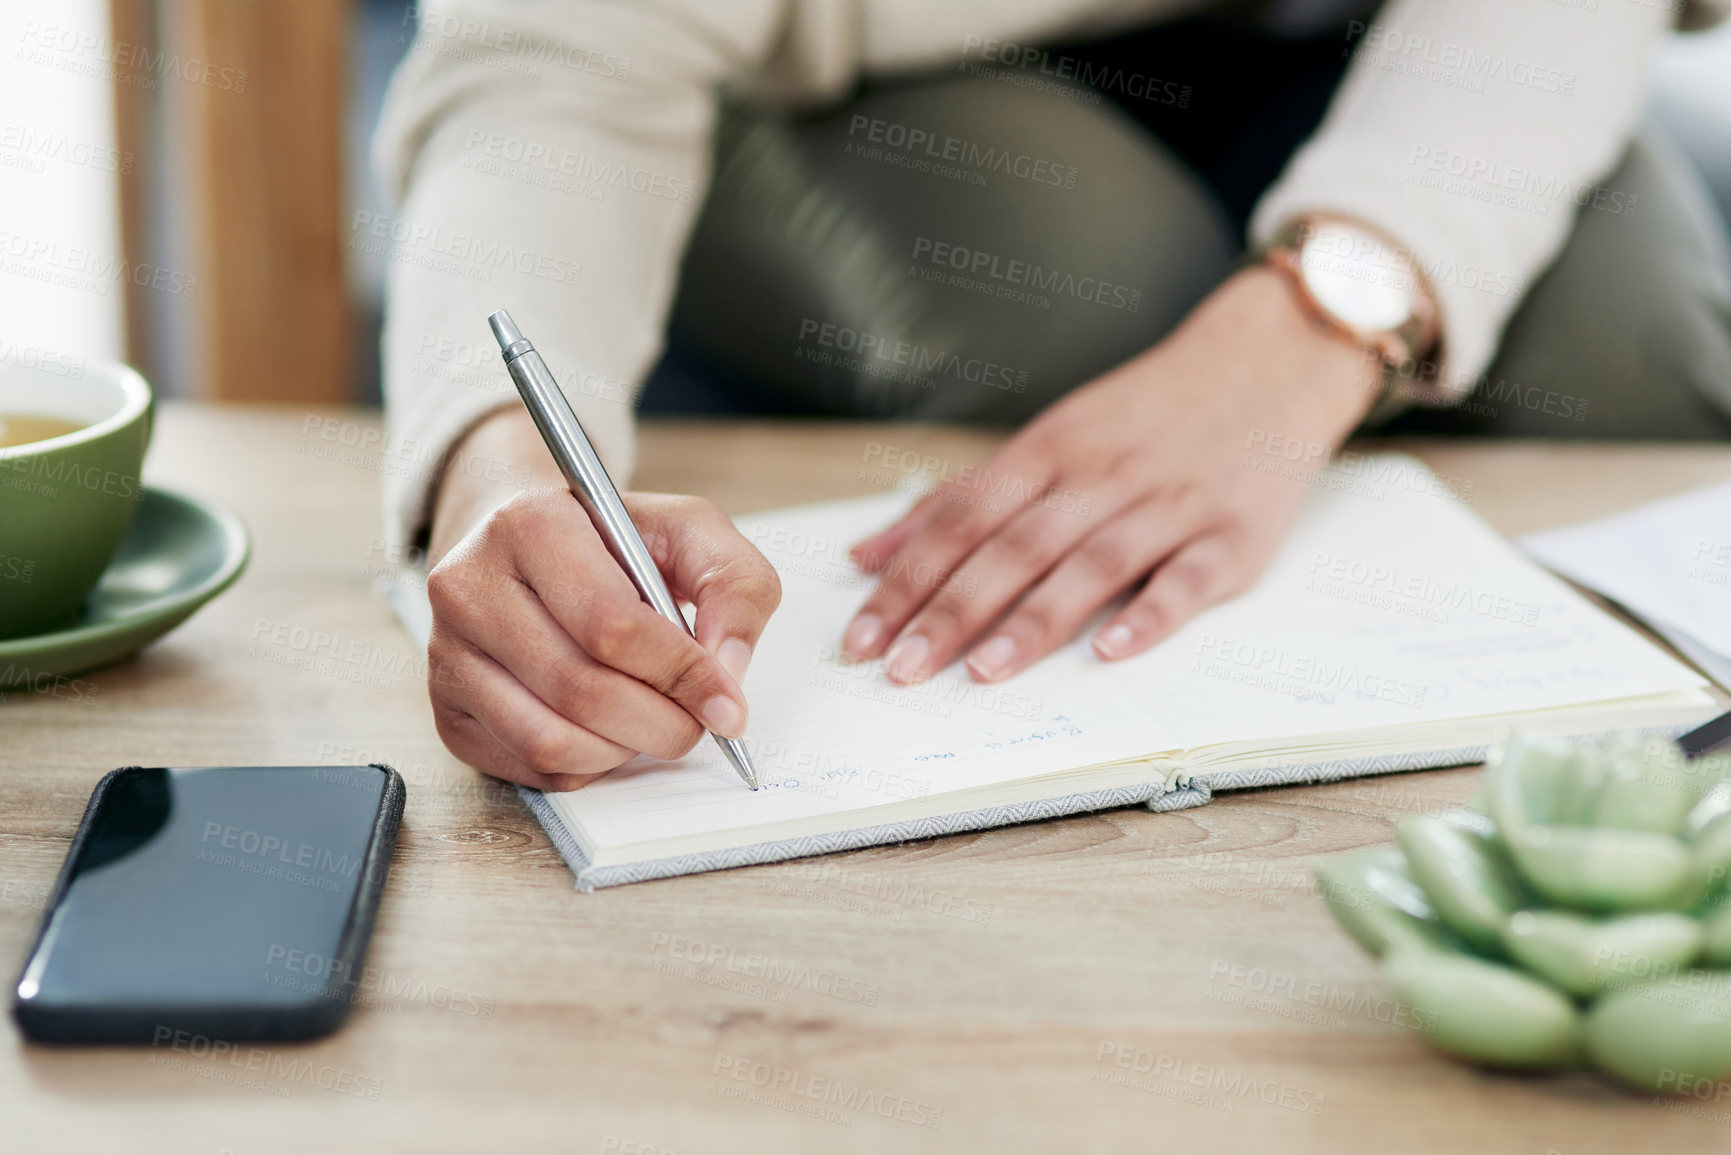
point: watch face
(1356, 278)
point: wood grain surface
(1121, 981)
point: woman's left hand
(1170, 473)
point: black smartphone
(192, 900)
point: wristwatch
(1361, 284)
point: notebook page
(829, 736)
(1392, 603)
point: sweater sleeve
(1471, 132)
(548, 158)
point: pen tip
(504, 329)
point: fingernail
(724, 716)
(906, 661)
(992, 659)
(862, 635)
(1113, 641)
(735, 657)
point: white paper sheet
(1668, 562)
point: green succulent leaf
(1583, 782)
(1525, 779)
(1465, 876)
(1710, 856)
(1716, 936)
(1715, 802)
(1671, 1034)
(1584, 956)
(1648, 784)
(1376, 901)
(1484, 1011)
(1596, 869)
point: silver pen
(594, 490)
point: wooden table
(988, 983)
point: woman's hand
(1145, 477)
(545, 666)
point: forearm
(1466, 131)
(562, 192)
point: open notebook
(1394, 631)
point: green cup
(66, 502)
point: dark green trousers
(970, 246)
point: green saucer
(178, 555)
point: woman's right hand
(545, 666)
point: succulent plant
(1574, 913)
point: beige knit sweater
(549, 157)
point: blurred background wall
(179, 181)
